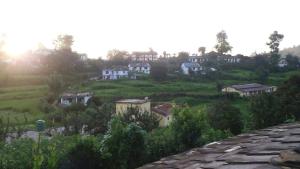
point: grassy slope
(142, 88)
(23, 98)
(17, 101)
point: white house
(187, 67)
(72, 98)
(144, 56)
(197, 59)
(229, 59)
(114, 74)
(140, 67)
(282, 63)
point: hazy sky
(171, 25)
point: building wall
(184, 69)
(164, 120)
(122, 107)
(113, 75)
(231, 90)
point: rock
(289, 155)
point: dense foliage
(224, 116)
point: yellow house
(142, 105)
(164, 112)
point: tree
(117, 57)
(2, 44)
(275, 39)
(262, 74)
(63, 60)
(123, 145)
(188, 128)
(224, 116)
(289, 95)
(222, 45)
(165, 54)
(147, 120)
(56, 85)
(265, 109)
(183, 56)
(292, 61)
(63, 42)
(158, 71)
(98, 117)
(201, 50)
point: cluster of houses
(196, 64)
(139, 65)
(163, 111)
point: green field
(110, 90)
(23, 98)
(15, 102)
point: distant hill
(293, 50)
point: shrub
(123, 146)
(84, 155)
(224, 116)
(265, 109)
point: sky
(137, 25)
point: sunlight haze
(133, 25)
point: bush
(147, 120)
(85, 155)
(160, 143)
(187, 127)
(18, 154)
(123, 146)
(265, 109)
(224, 116)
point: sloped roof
(250, 87)
(133, 101)
(163, 109)
(74, 94)
(253, 150)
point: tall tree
(275, 39)
(222, 45)
(64, 42)
(63, 60)
(118, 57)
(202, 50)
(165, 54)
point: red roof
(163, 109)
